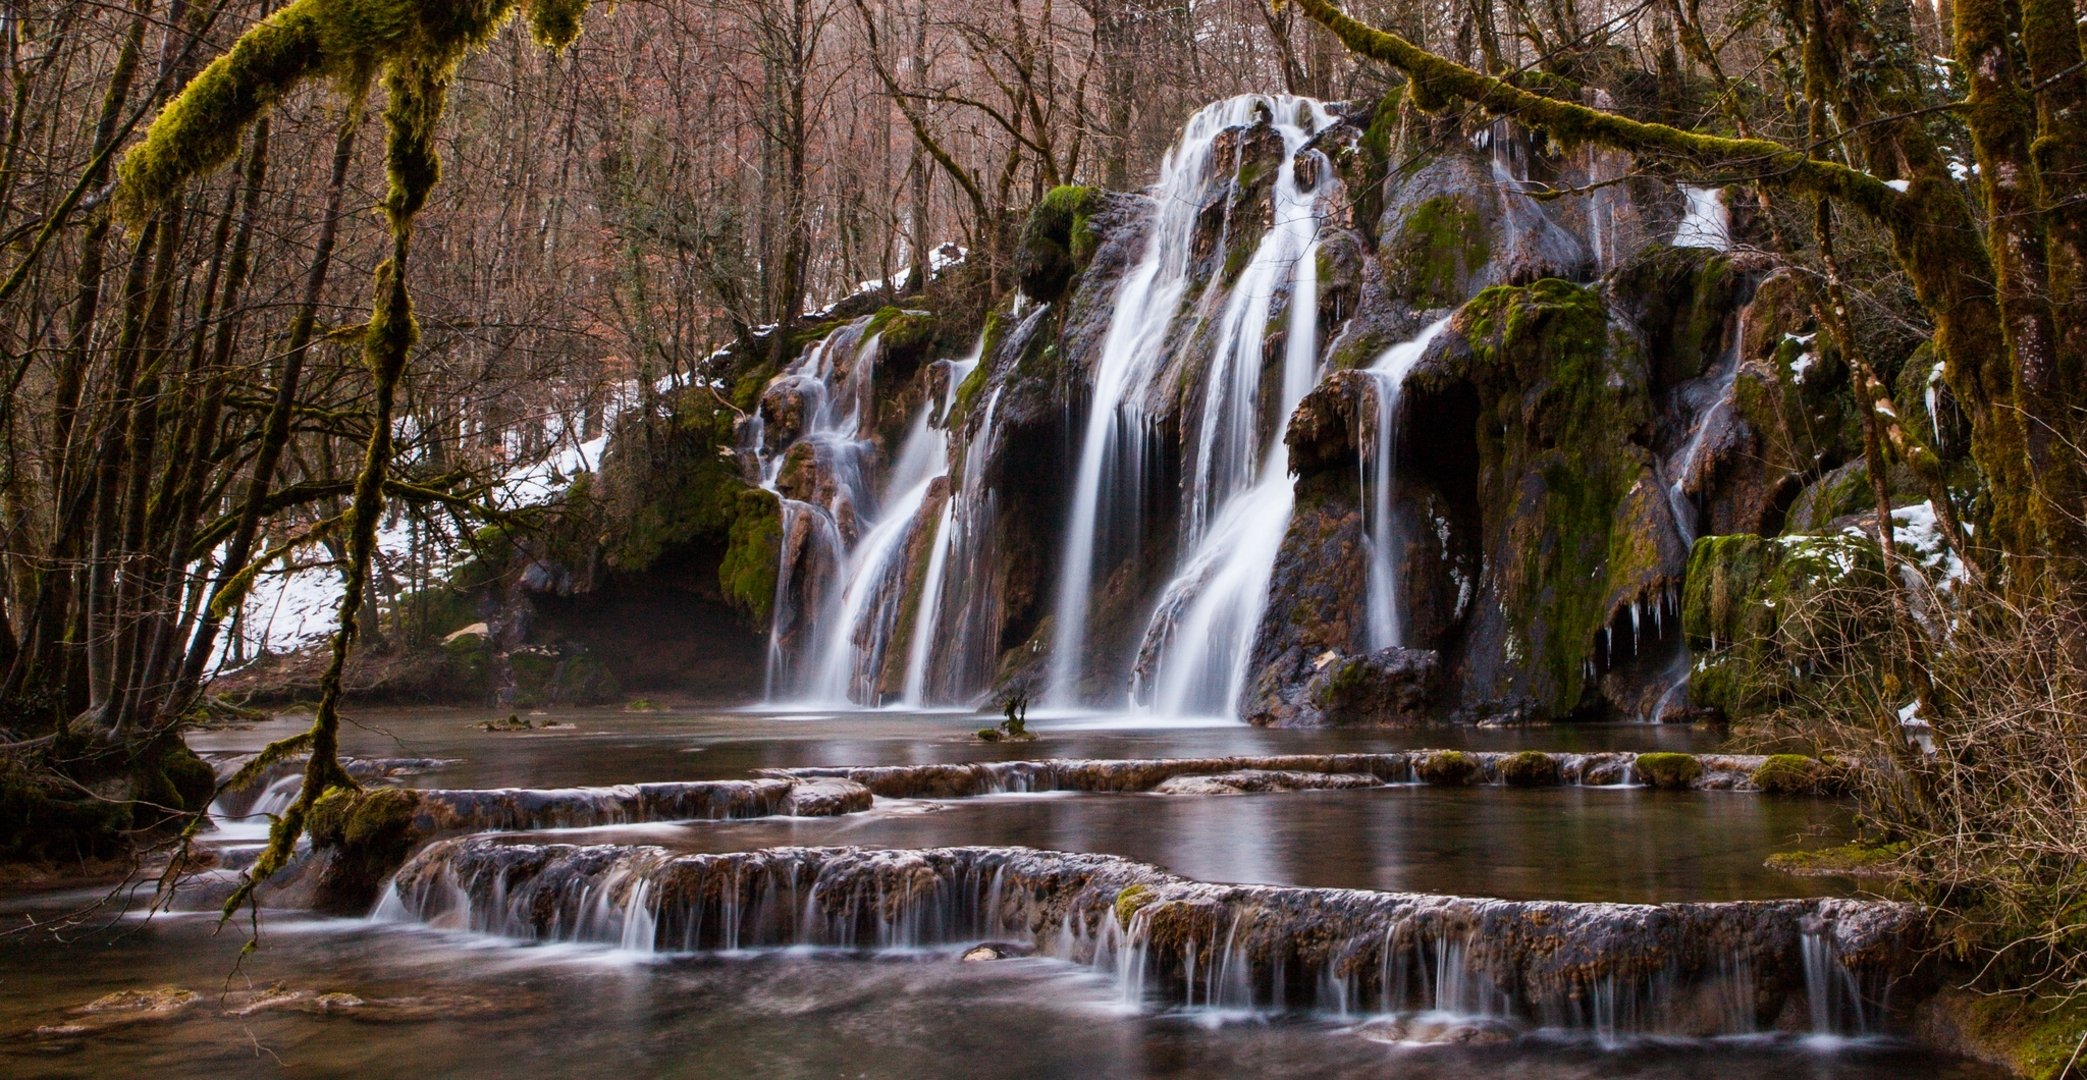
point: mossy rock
(1057, 241)
(1669, 771)
(1449, 768)
(1846, 860)
(365, 836)
(2037, 1037)
(1790, 774)
(753, 553)
(1130, 900)
(1573, 518)
(1530, 768)
(1440, 248)
(1768, 616)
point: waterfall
(859, 527)
(1707, 223)
(1192, 659)
(1379, 468)
(829, 387)
(926, 622)
(1111, 475)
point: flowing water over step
(1685, 969)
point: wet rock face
(1573, 527)
(1320, 590)
(1686, 969)
(1449, 230)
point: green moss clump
(1449, 768)
(1057, 241)
(1766, 616)
(1440, 247)
(901, 331)
(1530, 768)
(1789, 774)
(1130, 900)
(366, 835)
(2038, 1037)
(1667, 770)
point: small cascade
(848, 654)
(1106, 515)
(926, 623)
(1833, 992)
(1379, 467)
(824, 398)
(1611, 970)
(1708, 223)
(1275, 772)
(963, 647)
(856, 527)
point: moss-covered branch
(1437, 80)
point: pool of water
(1596, 844)
(457, 1004)
(604, 746)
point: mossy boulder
(1440, 249)
(1057, 241)
(1790, 774)
(362, 837)
(1449, 768)
(1667, 770)
(1765, 616)
(753, 551)
(1130, 900)
(1530, 768)
(1572, 519)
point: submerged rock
(1246, 781)
(122, 1009)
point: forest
(546, 472)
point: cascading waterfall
(1379, 469)
(1111, 476)
(927, 620)
(861, 532)
(831, 383)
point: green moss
(1057, 241)
(2039, 1037)
(1789, 774)
(1440, 246)
(1130, 900)
(344, 41)
(367, 835)
(1567, 497)
(1667, 770)
(1851, 860)
(1762, 614)
(1449, 768)
(753, 553)
(900, 330)
(1530, 768)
